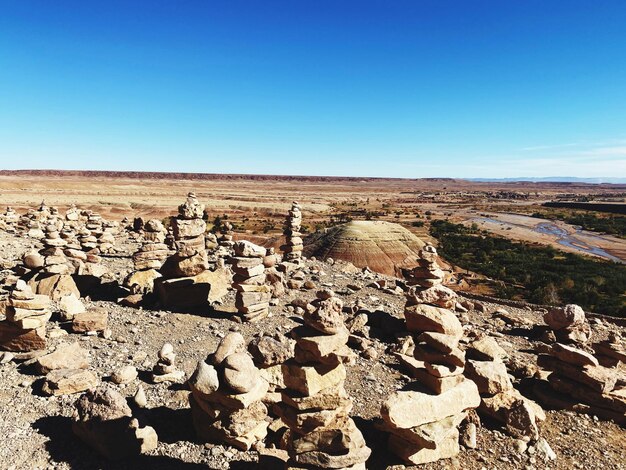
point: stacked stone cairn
(106, 239)
(10, 219)
(165, 369)
(148, 259)
(581, 382)
(252, 294)
(315, 404)
(87, 241)
(500, 400)
(427, 273)
(293, 246)
(188, 230)
(26, 317)
(423, 421)
(568, 324)
(72, 216)
(226, 396)
(55, 261)
(225, 239)
(427, 280)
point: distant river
(562, 237)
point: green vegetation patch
(538, 274)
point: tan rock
(66, 356)
(491, 377)
(408, 409)
(421, 318)
(68, 381)
(310, 380)
(93, 320)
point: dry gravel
(36, 429)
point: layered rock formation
(165, 369)
(383, 247)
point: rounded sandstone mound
(384, 247)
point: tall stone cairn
(55, 261)
(315, 404)
(253, 295)
(225, 240)
(188, 229)
(10, 219)
(428, 273)
(226, 394)
(26, 317)
(427, 280)
(149, 258)
(423, 423)
(292, 249)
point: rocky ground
(37, 432)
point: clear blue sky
(327, 87)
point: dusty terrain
(256, 204)
(36, 429)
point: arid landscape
(355, 321)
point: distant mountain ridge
(553, 179)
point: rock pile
(569, 324)
(225, 239)
(428, 273)
(427, 280)
(26, 316)
(10, 219)
(500, 400)
(253, 295)
(423, 423)
(315, 404)
(226, 396)
(577, 375)
(148, 259)
(54, 258)
(104, 421)
(294, 245)
(188, 229)
(165, 369)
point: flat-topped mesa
(226, 396)
(26, 317)
(423, 424)
(315, 405)
(188, 229)
(569, 324)
(252, 294)
(292, 249)
(148, 259)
